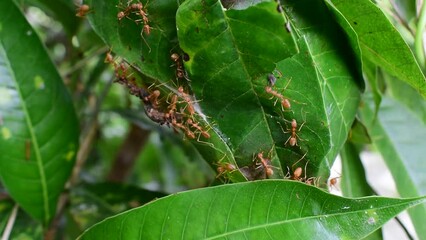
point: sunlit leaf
(273, 209)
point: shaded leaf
(398, 134)
(358, 133)
(39, 128)
(274, 209)
(379, 40)
(353, 179)
(338, 67)
(406, 94)
(150, 54)
(91, 203)
(61, 10)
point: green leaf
(230, 82)
(353, 180)
(379, 40)
(274, 209)
(359, 133)
(150, 54)
(61, 10)
(399, 135)
(91, 203)
(39, 128)
(405, 94)
(338, 66)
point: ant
(292, 140)
(185, 96)
(82, 10)
(186, 130)
(266, 164)
(333, 182)
(225, 168)
(285, 103)
(298, 172)
(198, 127)
(152, 98)
(180, 72)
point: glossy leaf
(399, 136)
(338, 66)
(231, 81)
(274, 209)
(39, 129)
(353, 182)
(379, 40)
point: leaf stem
(418, 43)
(10, 223)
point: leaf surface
(39, 128)
(380, 42)
(398, 135)
(273, 209)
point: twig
(10, 223)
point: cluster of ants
(177, 109)
(262, 169)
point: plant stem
(418, 44)
(10, 223)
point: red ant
(198, 127)
(333, 182)
(266, 164)
(186, 130)
(82, 10)
(292, 140)
(225, 168)
(180, 73)
(285, 103)
(152, 98)
(185, 96)
(298, 172)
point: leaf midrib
(32, 136)
(250, 228)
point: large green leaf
(273, 209)
(39, 128)
(399, 135)
(228, 73)
(379, 40)
(338, 66)
(353, 180)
